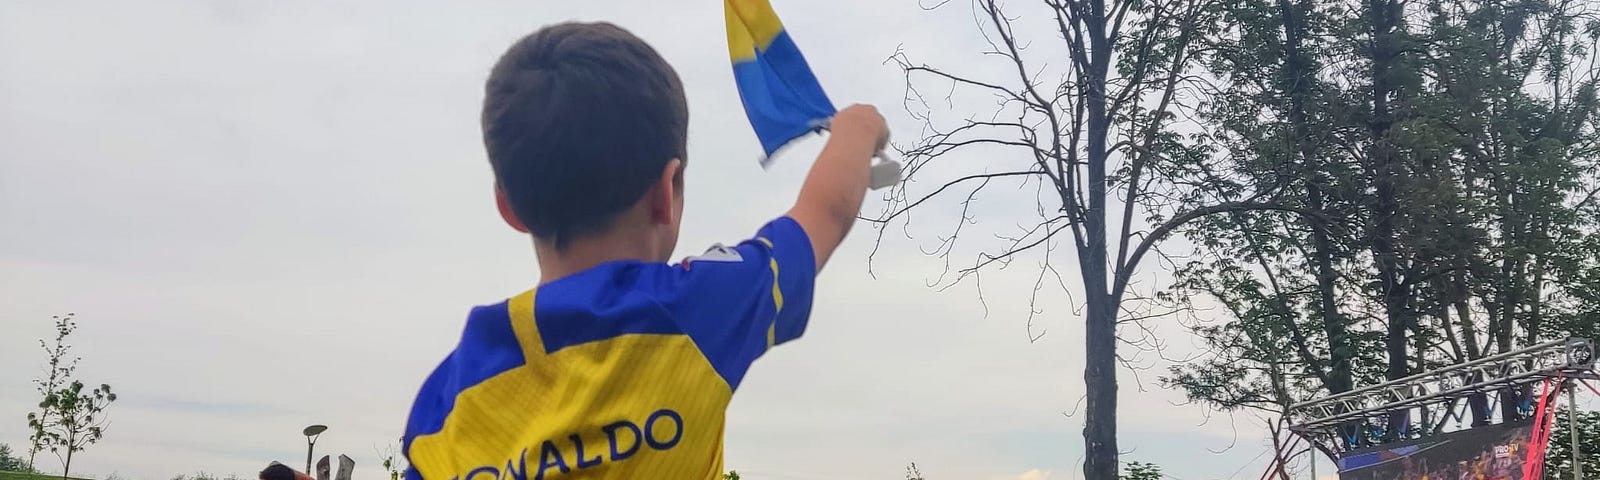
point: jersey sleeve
(737, 302)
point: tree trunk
(1534, 328)
(1100, 330)
(72, 441)
(1099, 375)
(1298, 78)
(1383, 19)
(1281, 461)
(1510, 295)
(1299, 75)
(1477, 403)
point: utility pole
(1572, 426)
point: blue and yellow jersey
(624, 370)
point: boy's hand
(865, 119)
(831, 197)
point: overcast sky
(273, 214)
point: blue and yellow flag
(781, 95)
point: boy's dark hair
(277, 471)
(579, 119)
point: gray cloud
(275, 214)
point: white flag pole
(885, 173)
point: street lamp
(311, 433)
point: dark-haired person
(618, 364)
(279, 471)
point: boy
(618, 365)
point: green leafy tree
(70, 418)
(79, 421)
(9, 462)
(1374, 188)
(1558, 459)
(1452, 142)
(731, 475)
(1141, 471)
(59, 365)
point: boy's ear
(665, 193)
(506, 213)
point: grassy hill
(31, 476)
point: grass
(31, 476)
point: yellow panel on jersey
(621, 371)
(539, 422)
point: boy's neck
(590, 252)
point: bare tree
(1095, 139)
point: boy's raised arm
(832, 194)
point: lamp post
(312, 432)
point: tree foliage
(10, 462)
(79, 420)
(1455, 143)
(1141, 471)
(1372, 188)
(914, 473)
(58, 368)
(70, 418)
(1558, 459)
(203, 475)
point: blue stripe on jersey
(730, 329)
(488, 347)
(608, 301)
(729, 307)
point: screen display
(1494, 452)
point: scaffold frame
(1360, 417)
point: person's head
(277, 471)
(586, 127)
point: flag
(780, 94)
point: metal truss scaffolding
(1361, 417)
